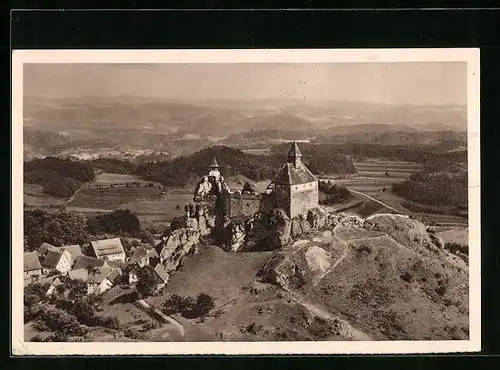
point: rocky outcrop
(280, 227)
(178, 244)
(202, 219)
(237, 237)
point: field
(455, 235)
(34, 197)
(131, 192)
(373, 175)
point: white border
(471, 56)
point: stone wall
(244, 205)
(303, 198)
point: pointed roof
(294, 175)
(214, 163)
(294, 151)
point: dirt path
(171, 323)
(70, 199)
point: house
(75, 250)
(54, 284)
(60, 261)
(45, 247)
(32, 267)
(109, 249)
(101, 280)
(88, 263)
(98, 279)
(162, 275)
(142, 256)
(81, 274)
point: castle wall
(282, 198)
(303, 198)
(244, 205)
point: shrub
(110, 322)
(177, 304)
(189, 307)
(59, 321)
(119, 221)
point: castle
(294, 189)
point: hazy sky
(393, 83)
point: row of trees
(63, 228)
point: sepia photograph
(246, 201)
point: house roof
(116, 265)
(86, 262)
(52, 258)
(107, 247)
(113, 276)
(161, 272)
(100, 275)
(294, 175)
(31, 261)
(79, 274)
(45, 247)
(75, 250)
(138, 254)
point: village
(103, 264)
(106, 265)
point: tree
(119, 221)
(147, 237)
(386, 174)
(54, 228)
(248, 188)
(147, 281)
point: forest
(58, 177)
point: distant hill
(180, 128)
(234, 162)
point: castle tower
(214, 169)
(295, 186)
(294, 155)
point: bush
(59, 321)
(150, 325)
(110, 322)
(147, 237)
(177, 304)
(189, 307)
(335, 194)
(119, 221)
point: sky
(436, 83)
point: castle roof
(294, 172)
(214, 163)
(294, 151)
(294, 175)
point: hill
(381, 278)
(122, 123)
(235, 162)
